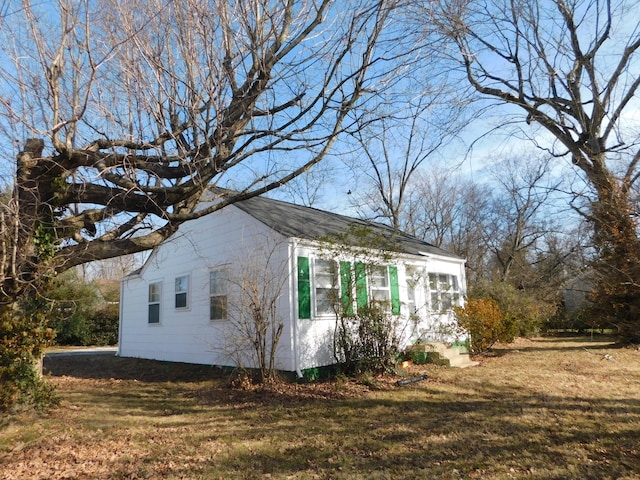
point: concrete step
(462, 361)
(441, 354)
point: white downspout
(120, 310)
(293, 297)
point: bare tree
(391, 149)
(112, 268)
(257, 285)
(128, 110)
(139, 119)
(450, 211)
(571, 68)
(309, 188)
(519, 220)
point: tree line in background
(525, 248)
(562, 76)
(83, 312)
(117, 115)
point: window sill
(326, 316)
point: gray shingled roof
(312, 224)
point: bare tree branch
(143, 105)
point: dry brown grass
(548, 408)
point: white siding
(233, 238)
(436, 326)
(228, 237)
(316, 345)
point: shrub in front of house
(366, 342)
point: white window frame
(373, 287)
(436, 283)
(223, 282)
(319, 290)
(181, 292)
(413, 275)
(152, 302)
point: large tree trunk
(35, 239)
(27, 246)
(617, 289)
(572, 69)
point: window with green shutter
(320, 281)
(325, 284)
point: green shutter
(395, 290)
(361, 285)
(346, 287)
(304, 288)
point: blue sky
(477, 150)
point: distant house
(185, 303)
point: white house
(187, 302)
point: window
(154, 302)
(326, 283)
(413, 274)
(182, 291)
(326, 287)
(218, 282)
(444, 291)
(379, 285)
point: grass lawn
(548, 408)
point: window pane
(379, 277)
(433, 282)
(217, 282)
(447, 301)
(325, 273)
(324, 301)
(381, 295)
(326, 286)
(411, 294)
(324, 266)
(181, 300)
(324, 280)
(435, 303)
(182, 288)
(154, 313)
(182, 284)
(379, 286)
(218, 307)
(154, 292)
